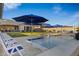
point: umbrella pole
(42, 29)
(31, 30)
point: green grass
(16, 34)
(21, 34)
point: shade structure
(28, 19)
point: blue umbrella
(28, 19)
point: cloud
(71, 19)
(57, 9)
(74, 19)
(76, 15)
(11, 5)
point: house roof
(9, 22)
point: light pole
(1, 10)
(73, 29)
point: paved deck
(29, 49)
(1, 50)
(66, 44)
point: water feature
(50, 42)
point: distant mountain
(51, 26)
(57, 25)
(46, 24)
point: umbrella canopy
(28, 19)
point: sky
(56, 13)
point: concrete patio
(67, 46)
